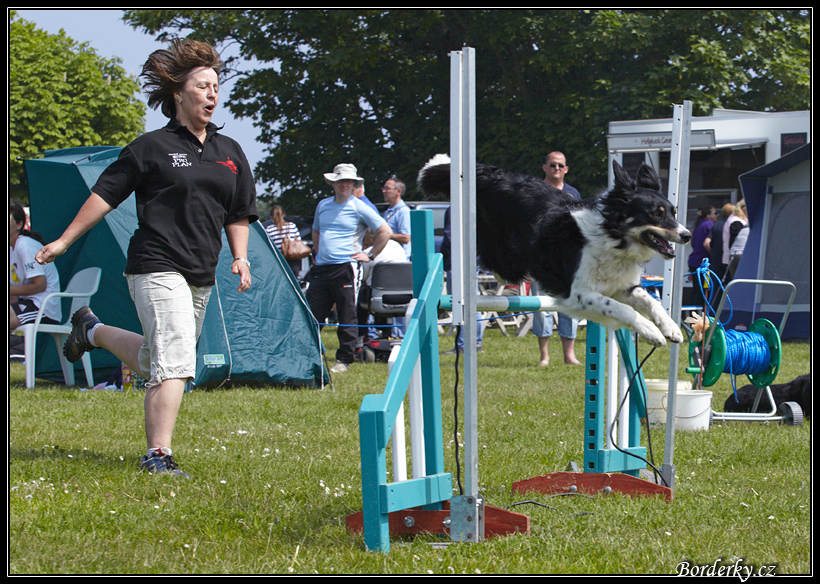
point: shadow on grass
(56, 453)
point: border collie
(587, 254)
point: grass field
(276, 471)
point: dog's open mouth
(659, 244)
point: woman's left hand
(237, 233)
(244, 271)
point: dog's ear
(622, 177)
(648, 178)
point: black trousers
(339, 285)
(382, 324)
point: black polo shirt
(186, 192)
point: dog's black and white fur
(587, 254)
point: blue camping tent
(778, 203)
(265, 336)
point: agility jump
(425, 503)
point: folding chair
(80, 289)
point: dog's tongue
(663, 246)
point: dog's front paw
(670, 330)
(675, 336)
(649, 332)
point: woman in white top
(732, 227)
(29, 282)
(733, 241)
(278, 229)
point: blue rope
(746, 353)
(703, 273)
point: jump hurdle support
(674, 268)
(378, 413)
(607, 468)
(424, 503)
(595, 453)
(601, 406)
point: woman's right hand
(51, 251)
(92, 211)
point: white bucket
(693, 407)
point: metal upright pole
(469, 271)
(467, 522)
(673, 276)
(456, 188)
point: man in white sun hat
(338, 227)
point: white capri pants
(171, 313)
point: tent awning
(741, 144)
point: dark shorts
(26, 312)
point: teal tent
(265, 336)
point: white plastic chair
(81, 288)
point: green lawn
(276, 471)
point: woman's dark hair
(18, 213)
(166, 70)
(277, 215)
(703, 214)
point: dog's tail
(434, 178)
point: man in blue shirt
(358, 192)
(338, 227)
(555, 169)
(398, 218)
(398, 213)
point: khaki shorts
(171, 313)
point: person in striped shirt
(278, 229)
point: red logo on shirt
(229, 164)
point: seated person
(29, 281)
(392, 253)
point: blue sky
(105, 31)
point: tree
(62, 95)
(372, 86)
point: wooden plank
(497, 522)
(591, 483)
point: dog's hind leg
(640, 300)
(608, 312)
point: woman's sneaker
(77, 344)
(162, 463)
(340, 367)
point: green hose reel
(717, 352)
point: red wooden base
(497, 522)
(591, 483)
